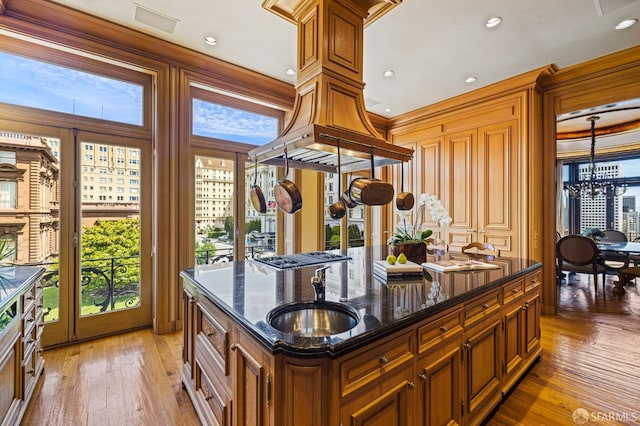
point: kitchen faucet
(318, 283)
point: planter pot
(415, 252)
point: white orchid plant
(411, 233)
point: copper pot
(338, 209)
(370, 191)
(404, 200)
(256, 195)
(286, 193)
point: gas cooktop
(301, 260)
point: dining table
(627, 248)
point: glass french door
(77, 204)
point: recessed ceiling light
(626, 24)
(492, 22)
(388, 73)
(290, 71)
(388, 110)
(470, 80)
(211, 40)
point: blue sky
(37, 84)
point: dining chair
(614, 262)
(576, 253)
(481, 248)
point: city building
(593, 211)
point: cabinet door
(460, 190)
(496, 175)
(251, 395)
(390, 403)
(439, 385)
(188, 347)
(513, 322)
(531, 322)
(482, 366)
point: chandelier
(594, 186)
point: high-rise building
(593, 211)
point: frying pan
(338, 209)
(404, 200)
(286, 193)
(371, 191)
(256, 195)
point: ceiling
(432, 46)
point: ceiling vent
(330, 104)
(155, 19)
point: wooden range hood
(329, 105)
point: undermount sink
(313, 319)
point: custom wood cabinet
(451, 368)
(21, 362)
(476, 159)
(480, 186)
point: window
(8, 248)
(232, 124)
(56, 88)
(8, 194)
(8, 157)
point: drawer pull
(208, 397)
(40, 306)
(411, 385)
(444, 328)
(525, 306)
(31, 372)
(466, 346)
(234, 347)
(485, 306)
(423, 376)
(30, 298)
(514, 291)
(192, 301)
(209, 334)
(383, 359)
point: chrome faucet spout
(318, 281)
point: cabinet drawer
(216, 335)
(439, 330)
(482, 307)
(532, 281)
(512, 290)
(366, 366)
(219, 406)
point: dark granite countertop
(13, 279)
(248, 290)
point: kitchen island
(428, 349)
(21, 327)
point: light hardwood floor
(591, 360)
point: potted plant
(411, 239)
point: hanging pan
(256, 195)
(346, 198)
(286, 193)
(371, 191)
(338, 209)
(404, 200)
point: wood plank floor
(591, 360)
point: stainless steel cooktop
(301, 260)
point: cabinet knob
(192, 301)
(383, 359)
(411, 385)
(466, 346)
(514, 291)
(31, 372)
(444, 328)
(209, 334)
(234, 347)
(423, 376)
(485, 306)
(525, 306)
(30, 298)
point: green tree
(112, 244)
(355, 236)
(228, 227)
(253, 225)
(203, 251)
